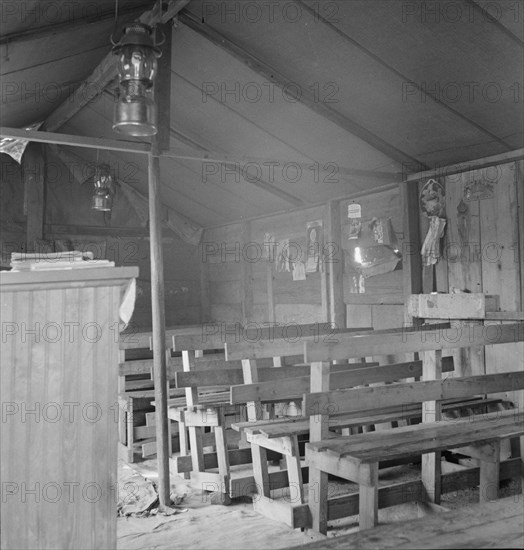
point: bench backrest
(364, 399)
(342, 376)
(216, 335)
(432, 337)
(235, 377)
(143, 339)
(208, 362)
(290, 343)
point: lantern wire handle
(115, 23)
(160, 21)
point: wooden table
(496, 524)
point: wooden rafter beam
(104, 73)
(308, 97)
(127, 12)
(347, 196)
(144, 148)
(342, 170)
(76, 141)
(495, 20)
(467, 165)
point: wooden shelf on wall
(452, 306)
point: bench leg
(368, 496)
(318, 499)
(294, 473)
(432, 476)
(221, 449)
(489, 455)
(130, 426)
(184, 445)
(197, 448)
(260, 469)
(122, 428)
(521, 440)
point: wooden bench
(197, 414)
(357, 457)
(136, 419)
(218, 414)
(192, 345)
(287, 435)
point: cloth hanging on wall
(431, 247)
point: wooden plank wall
(462, 251)
(224, 254)
(238, 274)
(484, 253)
(501, 261)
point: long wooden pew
(192, 344)
(357, 457)
(284, 435)
(210, 412)
(137, 424)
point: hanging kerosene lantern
(135, 109)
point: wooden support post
(319, 429)
(33, 170)
(159, 330)
(157, 275)
(246, 276)
(204, 291)
(411, 257)
(335, 265)
(324, 291)
(431, 412)
(163, 89)
(519, 176)
(270, 294)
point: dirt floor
(197, 524)
(200, 525)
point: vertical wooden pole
(159, 329)
(270, 294)
(519, 175)
(204, 290)
(519, 254)
(246, 276)
(33, 169)
(163, 98)
(335, 265)
(163, 89)
(411, 258)
(324, 292)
